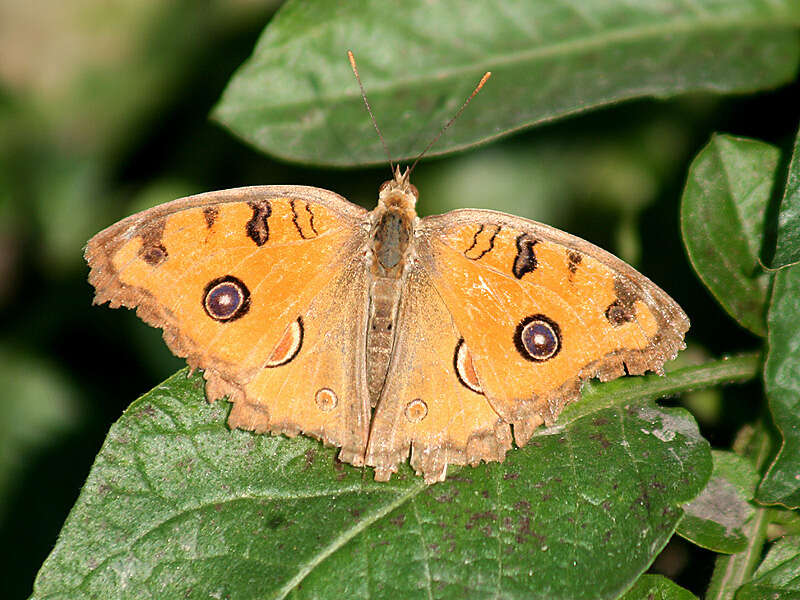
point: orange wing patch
(186, 266)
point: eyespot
(416, 410)
(537, 338)
(226, 299)
(326, 399)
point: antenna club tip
(352, 59)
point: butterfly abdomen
(384, 296)
(389, 245)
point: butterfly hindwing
(316, 383)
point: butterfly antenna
(474, 93)
(369, 108)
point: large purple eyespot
(537, 338)
(226, 299)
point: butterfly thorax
(390, 244)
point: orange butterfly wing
(541, 311)
(246, 285)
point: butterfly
(379, 332)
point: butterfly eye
(537, 338)
(226, 299)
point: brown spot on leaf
(448, 496)
(276, 522)
(481, 516)
(525, 532)
(599, 437)
(398, 520)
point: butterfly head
(399, 192)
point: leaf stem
(729, 369)
(732, 571)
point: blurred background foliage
(104, 111)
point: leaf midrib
(786, 20)
(272, 496)
(348, 535)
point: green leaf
(787, 250)
(723, 212)
(657, 587)
(296, 98)
(778, 576)
(781, 484)
(716, 518)
(179, 504)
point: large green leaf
(296, 98)
(657, 587)
(723, 211)
(788, 247)
(781, 484)
(177, 505)
(778, 576)
(716, 518)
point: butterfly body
(379, 332)
(390, 244)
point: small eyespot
(326, 399)
(538, 338)
(226, 299)
(416, 410)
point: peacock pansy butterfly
(380, 332)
